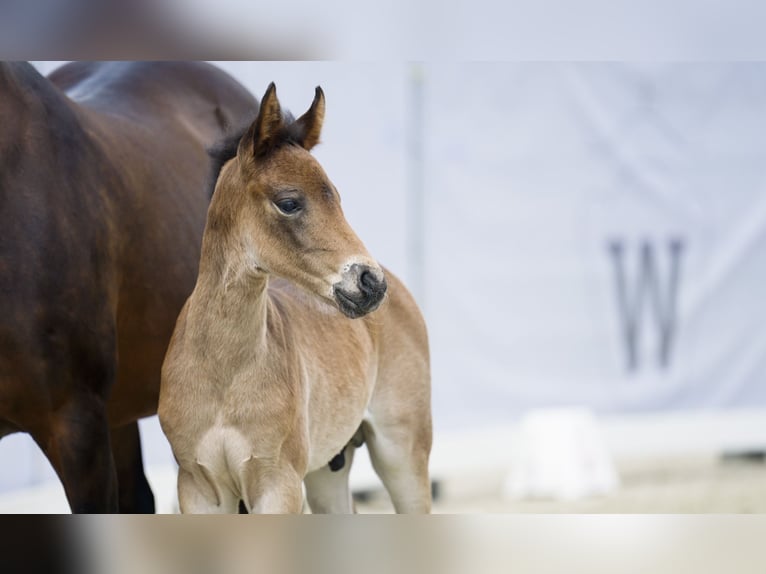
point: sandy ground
(656, 486)
(685, 485)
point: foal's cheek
(292, 233)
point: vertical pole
(416, 221)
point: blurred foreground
(398, 30)
(539, 544)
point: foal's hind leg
(399, 455)
(134, 490)
(327, 490)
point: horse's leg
(135, 494)
(78, 447)
(275, 490)
(285, 498)
(399, 453)
(327, 491)
(197, 495)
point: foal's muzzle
(360, 291)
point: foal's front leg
(198, 494)
(280, 499)
(273, 490)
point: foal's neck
(231, 294)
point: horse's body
(265, 381)
(102, 207)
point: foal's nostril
(368, 280)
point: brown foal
(295, 346)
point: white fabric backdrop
(530, 172)
(533, 170)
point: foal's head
(288, 214)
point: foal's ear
(310, 124)
(267, 125)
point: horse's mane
(226, 148)
(222, 152)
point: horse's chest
(306, 406)
(226, 450)
(222, 449)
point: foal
(280, 363)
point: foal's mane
(226, 148)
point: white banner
(596, 235)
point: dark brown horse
(103, 197)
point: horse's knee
(279, 499)
(275, 492)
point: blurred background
(587, 242)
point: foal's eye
(288, 206)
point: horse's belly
(322, 454)
(332, 424)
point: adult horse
(102, 206)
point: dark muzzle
(360, 291)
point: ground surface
(686, 485)
(672, 485)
